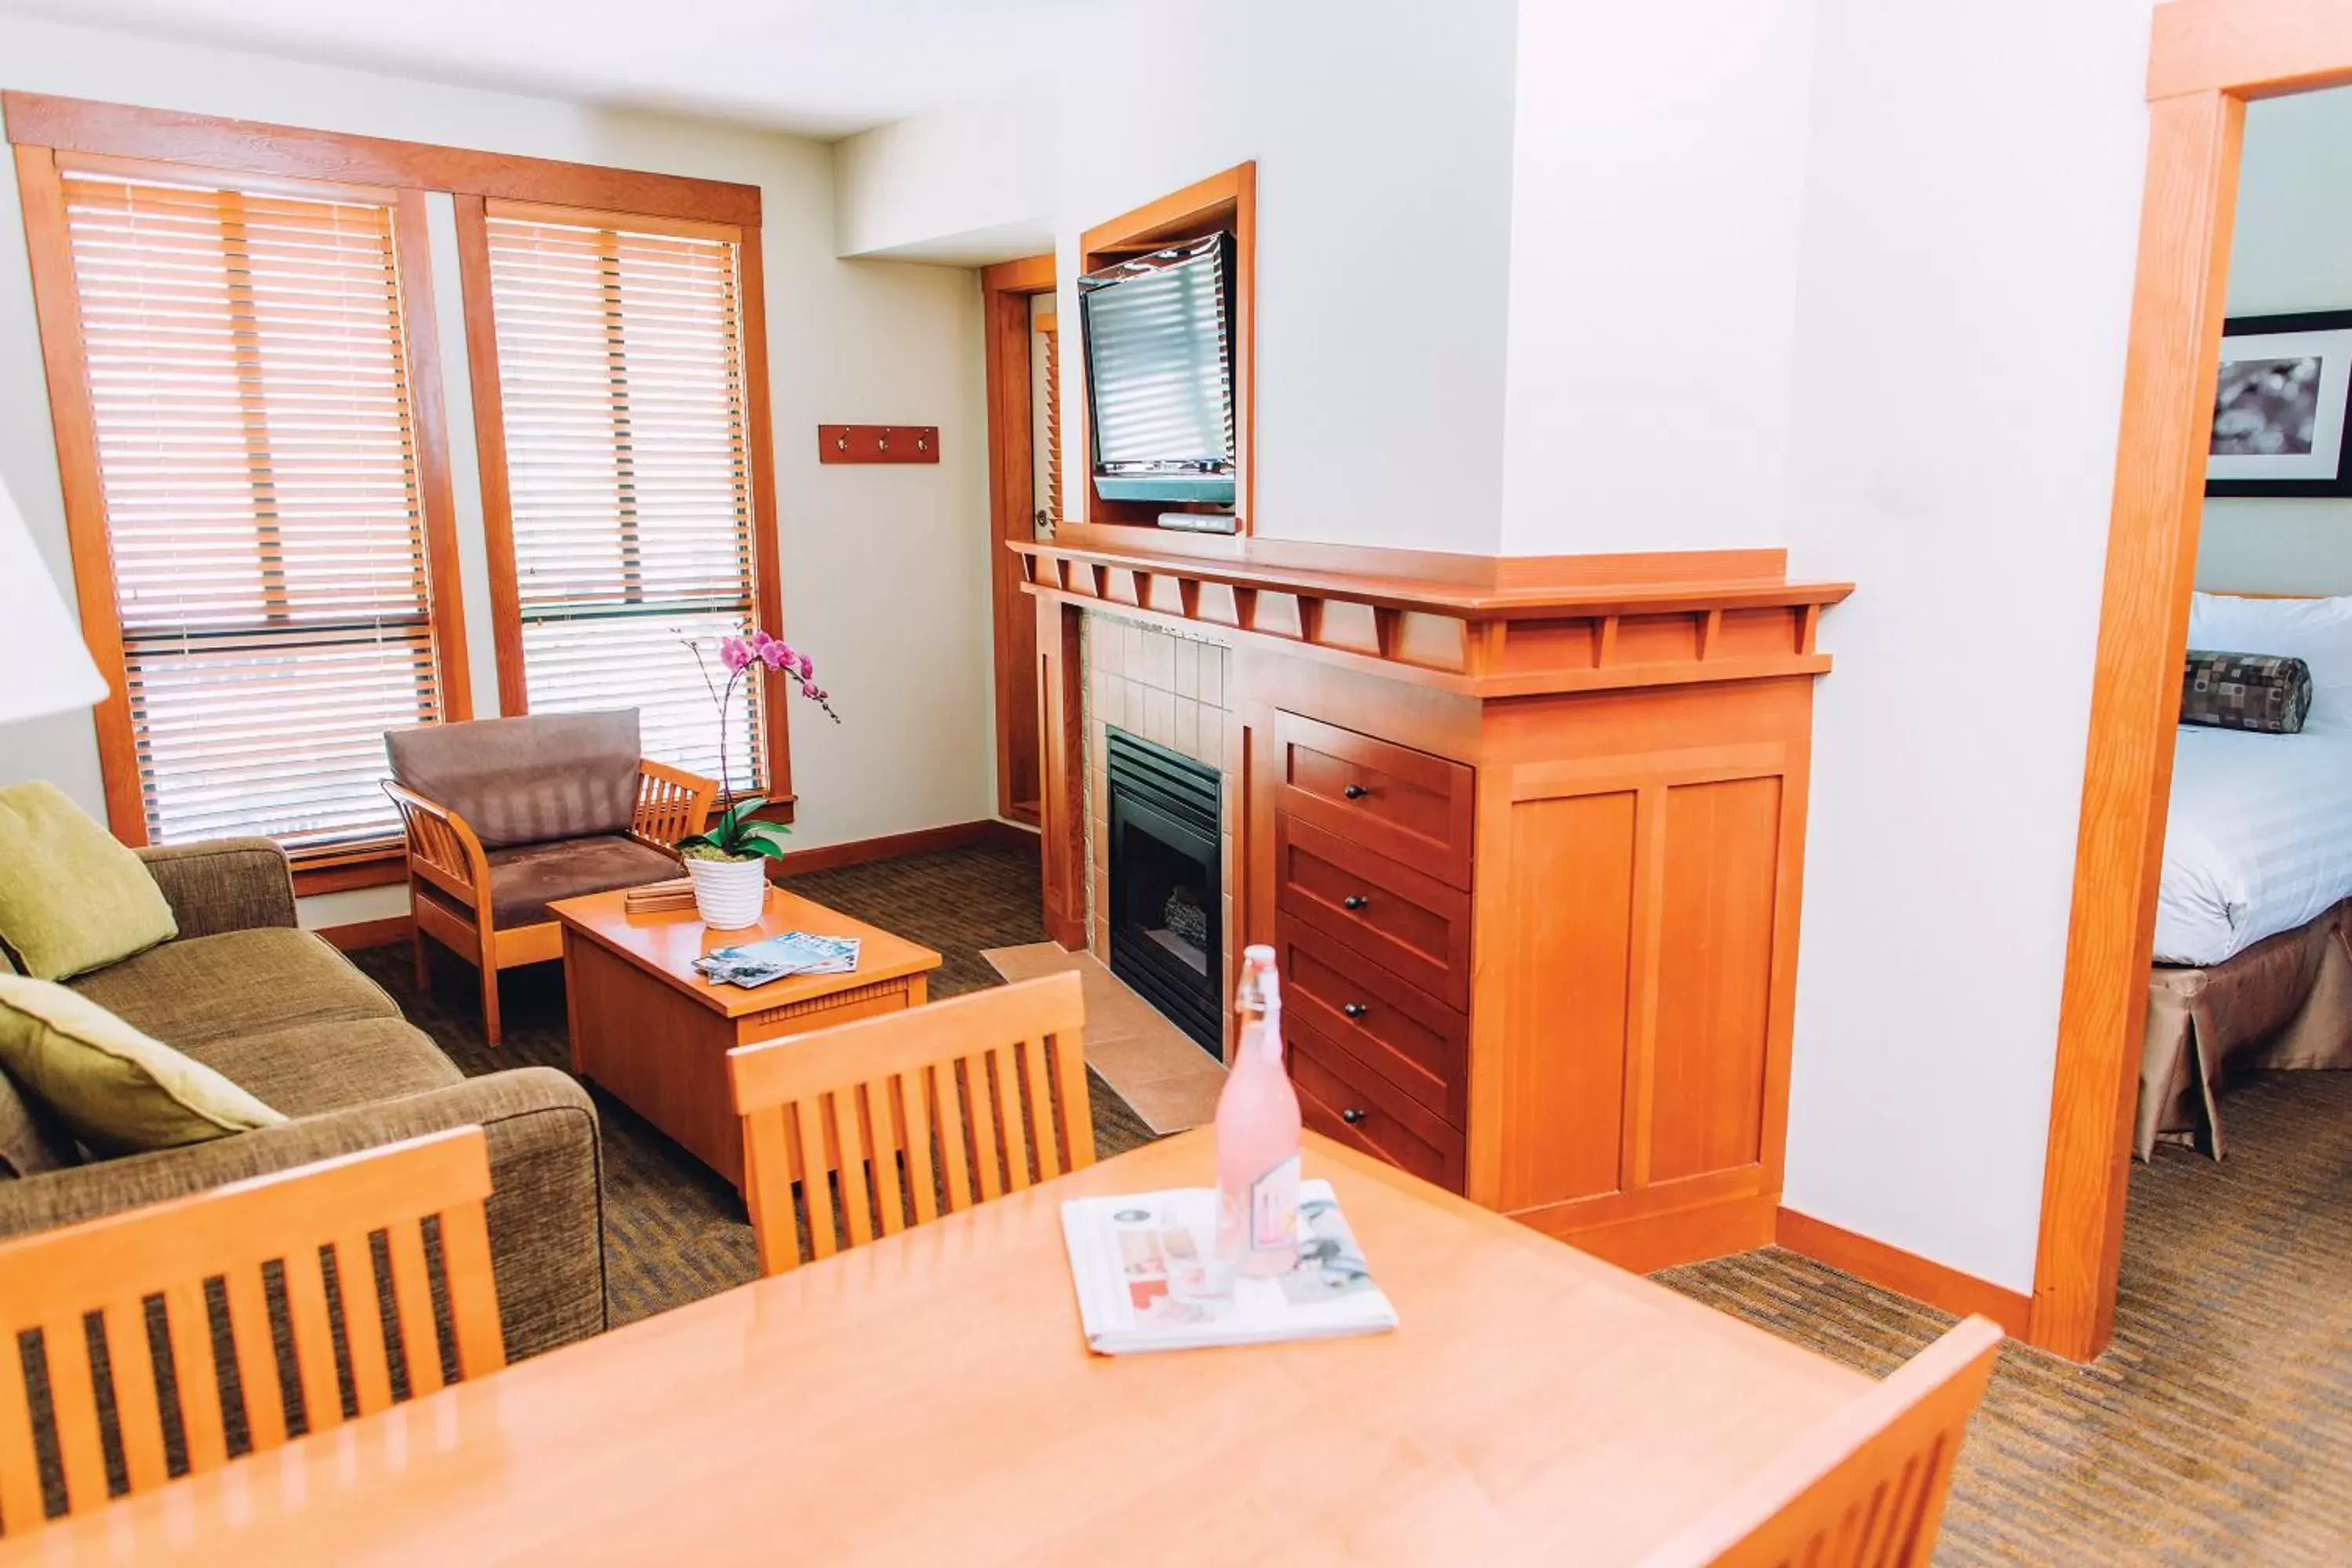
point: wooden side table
(654, 1034)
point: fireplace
(1165, 911)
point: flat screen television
(1159, 374)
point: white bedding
(2259, 840)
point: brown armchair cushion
(527, 878)
(528, 780)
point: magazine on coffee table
(1148, 1279)
(794, 953)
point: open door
(1024, 501)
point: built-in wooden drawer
(1341, 1097)
(1408, 805)
(1409, 1036)
(1416, 927)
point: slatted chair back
(672, 803)
(915, 1113)
(116, 1301)
(1866, 1489)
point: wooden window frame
(41, 125)
(2207, 59)
(56, 305)
(1224, 201)
(498, 490)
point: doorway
(2207, 58)
(1025, 473)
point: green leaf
(767, 847)
(697, 841)
(765, 832)
(742, 809)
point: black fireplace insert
(1166, 929)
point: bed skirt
(2285, 1002)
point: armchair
(504, 817)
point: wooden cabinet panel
(1341, 1097)
(1408, 805)
(1571, 877)
(1409, 1036)
(1715, 976)
(1416, 926)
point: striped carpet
(2217, 1430)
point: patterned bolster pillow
(2266, 691)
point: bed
(2254, 931)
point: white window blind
(621, 382)
(248, 384)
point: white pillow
(2316, 631)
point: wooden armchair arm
(442, 848)
(672, 803)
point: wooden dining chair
(1867, 1488)
(920, 1113)
(91, 1290)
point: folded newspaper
(1147, 1279)
(794, 953)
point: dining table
(931, 1398)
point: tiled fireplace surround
(1173, 691)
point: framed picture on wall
(2279, 408)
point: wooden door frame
(1006, 290)
(2207, 59)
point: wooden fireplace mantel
(1481, 626)
(1526, 835)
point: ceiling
(823, 70)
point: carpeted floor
(2217, 1430)
(675, 1232)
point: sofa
(291, 1020)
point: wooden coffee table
(655, 1034)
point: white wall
(2293, 251)
(971, 184)
(1972, 210)
(885, 568)
(1381, 131)
(1657, 199)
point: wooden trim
(376, 868)
(1006, 290)
(1224, 200)
(1905, 1273)
(359, 934)
(767, 557)
(490, 451)
(1029, 275)
(919, 841)
(244, 146)
(63, 360)
(428, 419)
(2248, 48)
(2172, 361)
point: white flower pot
(730, 894)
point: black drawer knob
(1355, 792)
(1354, 901)
(1355, 1009)
(1352, 1115)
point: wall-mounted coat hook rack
(878, 443)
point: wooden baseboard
(368, 934)
(1905, 1273)
(922, 840)
(1646, 1243)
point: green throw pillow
(71, 897)
(116, 1090)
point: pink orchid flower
(777, 654)
(735, 653)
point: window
(250, 398)
(622, 391)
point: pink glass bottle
(1258, 1133)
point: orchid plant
(735, 835)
